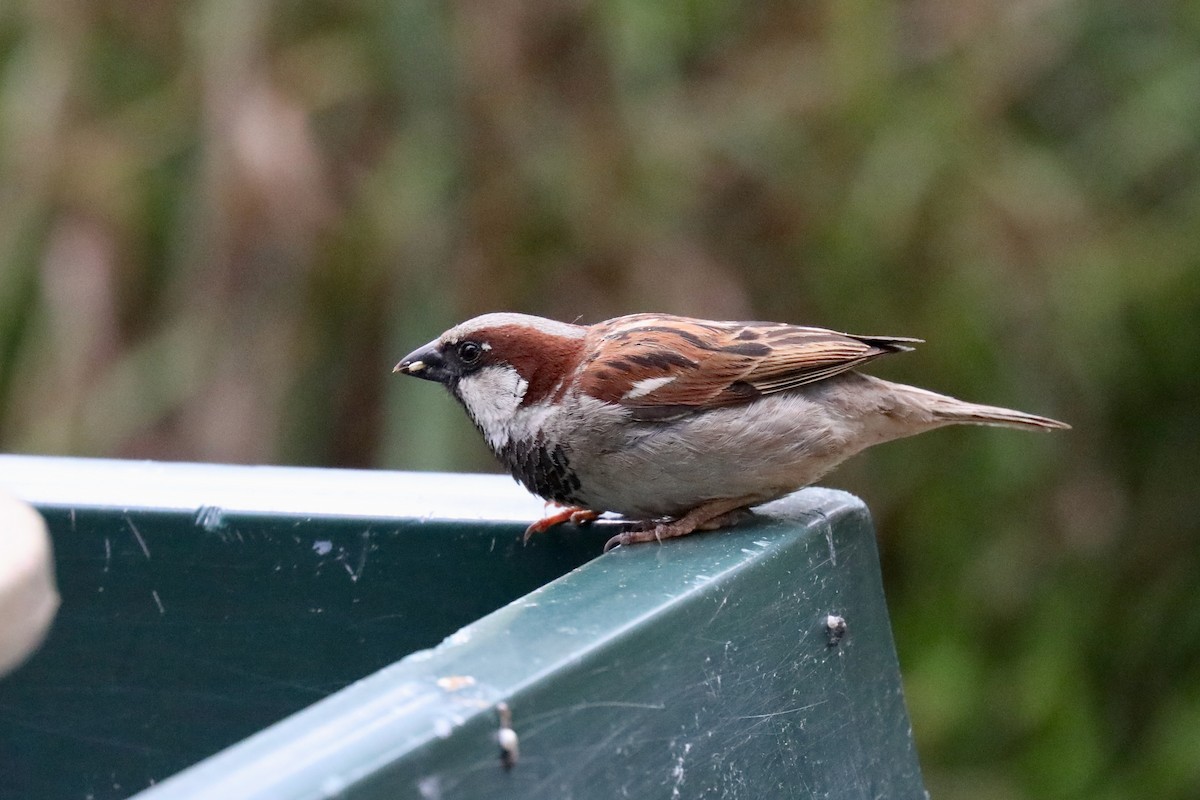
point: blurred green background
(222, 222)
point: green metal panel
(701, 668)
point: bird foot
(573, 514)
(708, 517)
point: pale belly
(666, 469)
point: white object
(28, 597)
(209, 490)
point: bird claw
(640, 532)
(621, 539)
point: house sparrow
(681, 423)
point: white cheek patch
(646, 386)
(492, 397)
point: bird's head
(498, 364)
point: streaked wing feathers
(664, 366)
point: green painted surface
(702, 668)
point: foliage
(221, 222)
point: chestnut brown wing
(663, 367)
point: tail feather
(976, 414)
(945, 410)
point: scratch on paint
(158, 601)
(773, 714)
(138, 535)
(677, 773)
(362, 556)
(356, 572)
(828, 535)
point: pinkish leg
(710, 516)
(573, 514)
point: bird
(674, 423)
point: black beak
(425, 362)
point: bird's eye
(469, 352)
